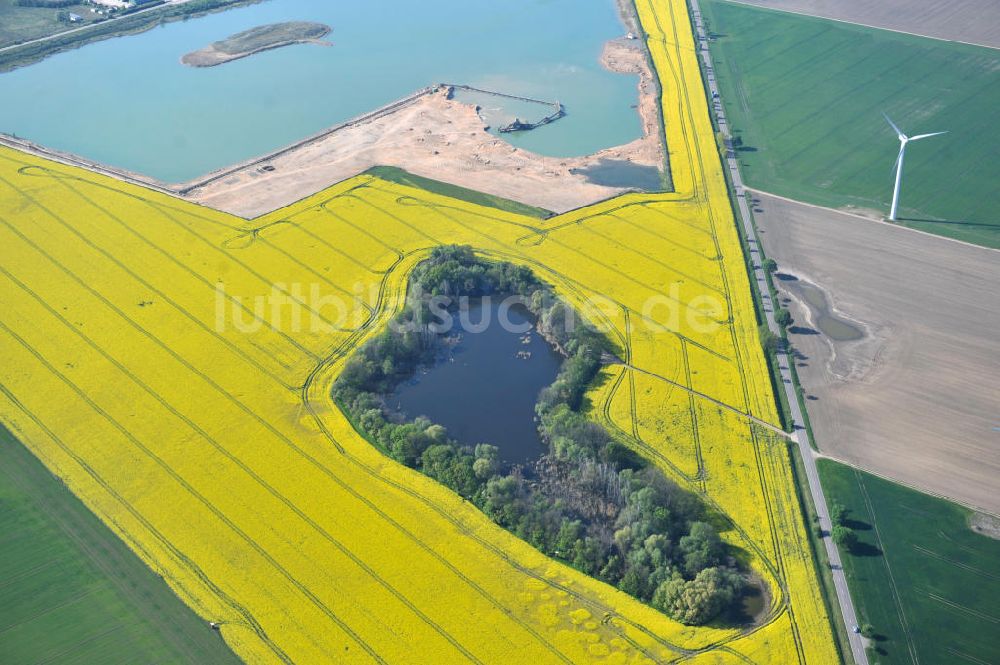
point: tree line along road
(799, 432)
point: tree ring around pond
(588, 499)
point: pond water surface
(130, 103)
(485, 389)
(622, 173)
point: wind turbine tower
(903, 140)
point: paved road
(799, 433)
(87, 27)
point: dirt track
(971, 21)
(917, 400)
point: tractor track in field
(246, 469)
(390, 293)
(570, 284)
(179, 556)
(259, 480)
(695, 151)
(338, 353)
(346, 343)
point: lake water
(622, 173)
(485, 390)
(128, 101)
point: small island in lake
(255, 40)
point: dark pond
(750, 608)
(484, 389)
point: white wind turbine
(903, 140)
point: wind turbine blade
(923, 136)
(896, 163)
(898, 131)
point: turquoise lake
(128, 101)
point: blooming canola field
(140, 369)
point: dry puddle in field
(822, 316)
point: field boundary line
(142, 280)
(196, 494)
(821, 455)
(869, 219)
(76, 534)
(965, 656)
(211, 440)
(184, 560)
(859, 24)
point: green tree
(450, 466)
(698, 601)
(633, 583)
(569, 533)
(769, 340)
(588, 555)
(838, 513)
(487, 462)
(592, 501)
(783, 317)
(844, 537)
(701, 548)
(770, 266)
(504, 500)
(720, 140)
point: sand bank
(255, 40)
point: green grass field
(72, 592)
(395, 174)
(806, 96)
(19, 24)
(926, 582)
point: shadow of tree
(864, 549)
(857, 525)
(956, 222)
(802, 330)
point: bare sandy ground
(988, 525)
(970, 21)
(440, 138)
(256, 40)
(918, 398)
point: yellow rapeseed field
(166, 361)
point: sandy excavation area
(971, 21)
(917, 399)
(440, 138)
